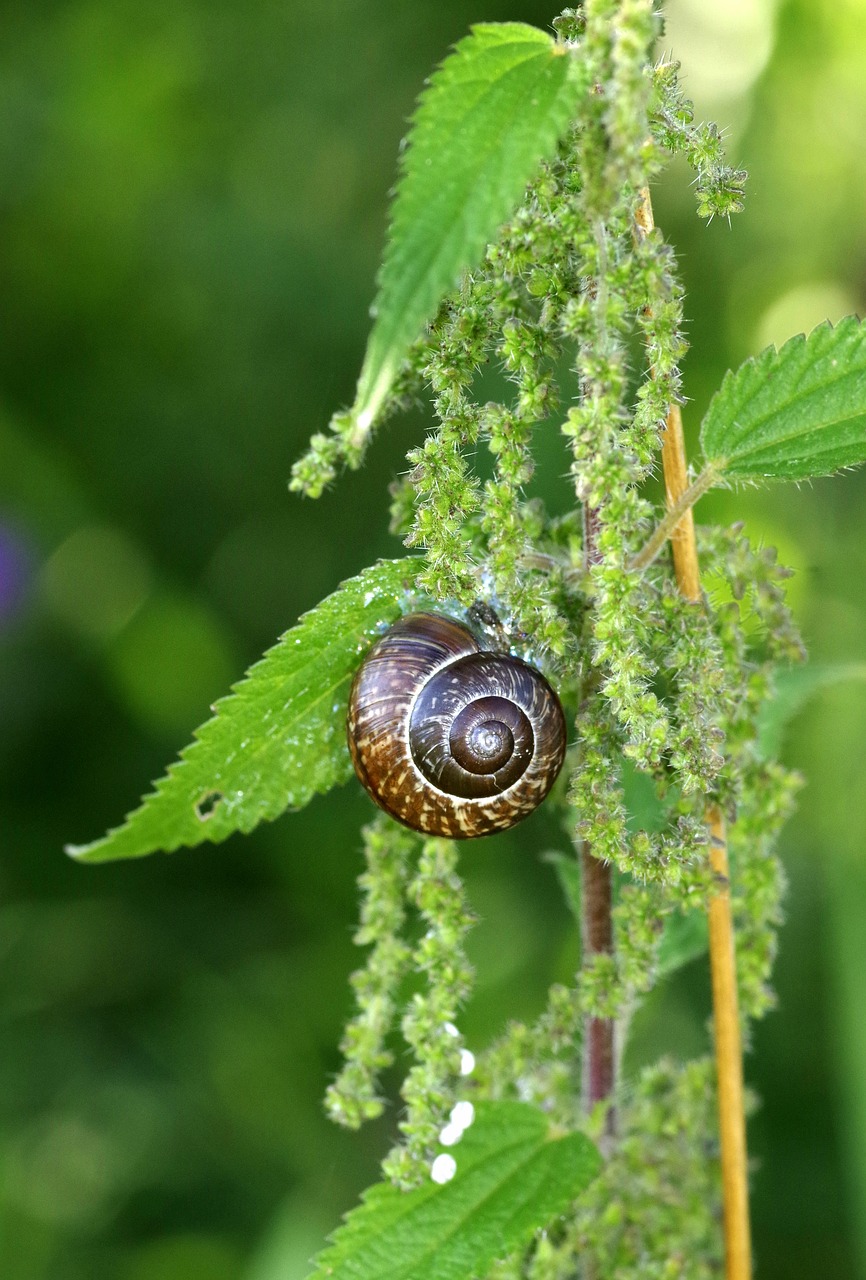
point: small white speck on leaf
(462, 1114)
(443, 1168)
(450, 1134)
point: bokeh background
(193, 201)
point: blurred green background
(193, 201)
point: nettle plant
(522, 234)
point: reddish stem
(597, 899)
(599, 1062)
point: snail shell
(448, 739)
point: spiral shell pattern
(447, 738)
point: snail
(449, 739)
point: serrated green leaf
(792, 689)
(492, 111)
(684, 938)
(567, 870)
(278, 739)
(794, 413)
(645, 808)
(511, 1177)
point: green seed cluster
(537, 1062)
(767, 798)
(407, 882)
(354, 1095)
(428, 1024)
(653, 1214)
(718, 187)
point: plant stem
(729, 1060)
(599, 1061)
(676, 473)
(597, 900)
(667, 527)
(726, 1020)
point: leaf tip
(86, 853)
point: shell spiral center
(468, 732)
(448, 738)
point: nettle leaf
(492, 111)
(793, 688)
(511, 1177)
(567, 870)
(685, 937)
(646, 810)
(278, 739)
(793, 413)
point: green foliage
(512, 1175)
(437, 893)
(683, 934)
(493, 110)
(793, 688)
(567, 870)
(407, 875)
(685, 938)
(278, 739)
(354, 1097)
(719, 187)
(654, 1212)
(669, 695)
(191, 200)
(794, 413)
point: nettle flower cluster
(579, 304)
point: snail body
(447, 738)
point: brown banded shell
(447, 738)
